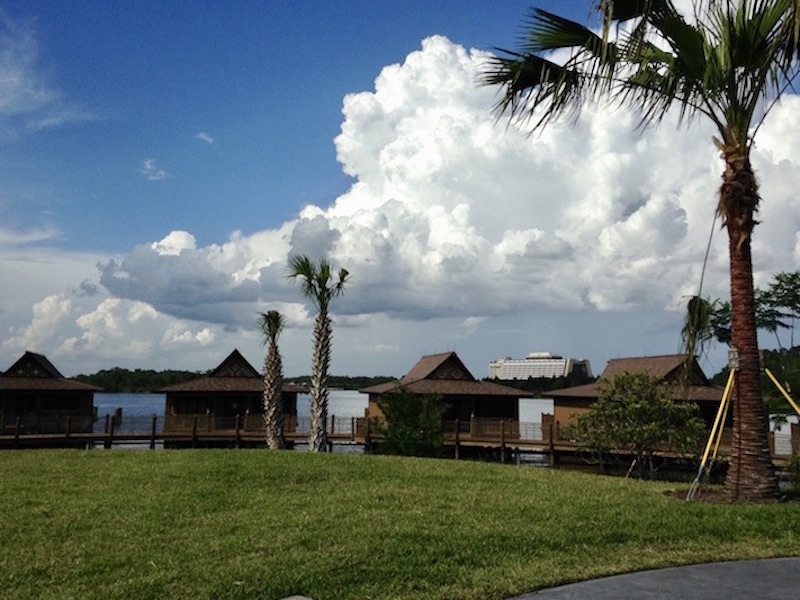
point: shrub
(794, 471)
(636, 414)
(412, 424)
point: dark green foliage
(794, 472)
(777, 309)
(344, 382)
(118, 380)
(539, 385)
(785, 365)
(412, 425)
(635, 414)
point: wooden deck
(506, 437)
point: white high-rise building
(537, 365)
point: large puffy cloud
(467, 233)
(454, 214)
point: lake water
(138, 411)
(341, 403)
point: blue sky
(160, 161)
(235, 105)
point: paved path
(770, 579)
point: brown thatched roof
(234, 374)
(668, 368)
(35, 372)
(444, 374)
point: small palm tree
(320, 286)
(729, 62)
(271, 324)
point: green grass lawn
(265, 525)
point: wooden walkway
(504, 437)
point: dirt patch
(718, 496)
(711, 496)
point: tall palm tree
(318, 283)
(271, 324)
(727, 62)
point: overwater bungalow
(35, 398)
(688, 385)
(467, 399)
(229, 397)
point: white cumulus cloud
(462, 232)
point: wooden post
(551, 445)
(237, 439)
(194, 431)
(110, 437)
(353, 427)
(17, 425)
(457, 440)
(68, 426)
(503, 440)
(333, 424)
(153, 433)
(105, 429)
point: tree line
(142, 381)
(345, 382)
(138, 381)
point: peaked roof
(444, 374)
(235, 365)
(446, 365)
(667, 368)
(234, 374)
(32, 364)
(34, 371)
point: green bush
(412, 424)
(794, 471)
(636, 414)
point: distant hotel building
(537, 365)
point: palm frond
(550, 32)
(317, 280)
(271, 324)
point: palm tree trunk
(273, 399)
(318, 434)
(751, 475)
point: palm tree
(728, 62)
(271, 324)
(318, 284)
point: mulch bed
(718, 496)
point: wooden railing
(498, 433)
(47, 422)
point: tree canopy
(138, 381)
(636, 414)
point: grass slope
(258, 524)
